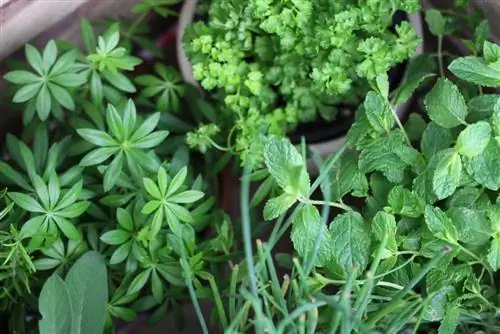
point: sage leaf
(445, 105)
(54, 306)
(446, 177)
(87, 284)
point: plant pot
(321, 136)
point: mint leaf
(434, 139)
(474, 70)
(418, 71)
(378, 112)
(406, 203)
(440, 224)
(306, 225)
(472, 225)
(437, 304)
(54, 306)
(414, 127)
(277, 206)
(481, 107)
(346, 178)
(449, 322)
(494, 253)
(350, 239)
(495, 119)
(389, 155)
(385, 224)
(436, 22)
(474, 139)
(287, 167)
(445, 105)
(484, 167)
(447, 174)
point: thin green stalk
(424, 306)
(366, 291)
(297, 312)
(344, 303)
(440, 55)
(136, 24)
(332, 204)
(397, 268)
(399, 296)
(246, 229)
(232, 291)
(485, 264)
(218, 303)
(275, 286)
(194, 298)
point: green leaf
(188, 196)
(49, 55)
(62, 96)
(435, 22)
(436, 308)
(22, 77)
(378, 112)
(14, 176)
(34, 58)
(113, 172)
(96, 137)
(67, 228)
(474, 70)
(306, 225)
(115, 237)
(440, 224)
(406, 203)
(481, 107)
(494, 253)
(176, 182)
(346, 177)
(88, 36)
(97, 156)
(287, 167)
(450, 320)
(383, 85)
(152, 140)
(152, 188)
(472, 225)
(415, 127)
(484, 167)
(474, 139)
(277, 206)
(26, 202)
(445, 105)
(419, 70)
(54, 189)
(119, 81)
(121, 253)
(31, 227)
(74, 210)
(139, 282)
(54, 304)
(350, 241)
(146, 127)
(87, 284)
(43, 103)
(125, 219)
(114, 123)
(70, 196)
(447, 175)
(26, 93)
(434, 139)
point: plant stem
(440, 55)
(333, 204)
(400, 125)
(194, 298)
(478, 259)
(246, 230)
(136, 23)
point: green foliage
(276, 64)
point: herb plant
(275, 64)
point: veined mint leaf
(346, 178)
(484, 167)
(494, 253)
(437, 304)
(474, 139)
(491, 53)
(350, 241)
(414, 127)
(419, 70)
(378, 112)
(389, 155)
(440, 224)
(406, 203)
(435, 139)
(305, 228)
(382, 81)
(385, 224)
(495, 119)
(277, 206)
(287, 166)
(447, 174)
(481, 107)
(445, 105)
(474, 70)
(472, 225)
(449, 322)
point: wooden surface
(22, 21)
